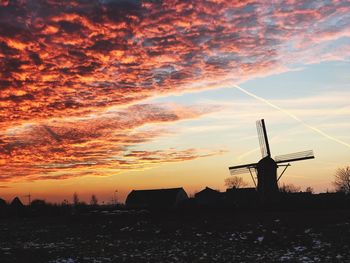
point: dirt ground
(211, 236)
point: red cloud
(60, 59)
(66, 148)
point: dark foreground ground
(306, 236)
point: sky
(102, 97)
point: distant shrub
(235, 182)
(309, 190)
(93, 200)
(289, 188)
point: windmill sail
(263, 141)
(292, 157)
(242, 169)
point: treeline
(39, 207)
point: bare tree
(235, 182)
(93, 200)
(75, 199)
(289, 188)
(342, 180)
(309, 189)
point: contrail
(242, 156)
(293, 116)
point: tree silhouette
(342, 180)
(289, 188)
(75, 199)
(93, 200)
(235, 182)
(309, 189)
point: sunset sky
(99, 96)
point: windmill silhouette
(266, 168)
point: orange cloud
(94, 145)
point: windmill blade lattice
(298, 156)
(263, 141)
(242, 169)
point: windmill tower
(266, 168)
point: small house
(208, 197)
(16, 203)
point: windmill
(266, 168)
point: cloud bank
(61, 63)
(95, 145)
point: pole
(115, 197)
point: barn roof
(2, 202)
(207, 190)
(16, 202)
(154, 197)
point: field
(211, 236)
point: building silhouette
(16, 203)
(2, 203)
(156, 198)
(208, 197)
